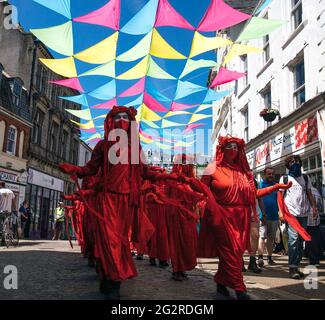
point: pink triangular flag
(136, 89)
(153, 104)
(219, 16)
(176, 106)
(107, 16)
(73, 83)
(106, 105)
(168, 16)
(192, 126)
(224, 76)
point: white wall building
(288, 75)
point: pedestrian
(255, 235)
(22, 218)
(225, 228)
(270, 224)
(298, 201)
(59, 221)
(314, 247)
(28, 221)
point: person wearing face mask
(117, 206)
(298, 201)
(226, 225)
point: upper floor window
(64, 143)
(245, 69)
(296, 13)
(266, 45)
(16, 86)
(74, 151)
(37, 127)
(245, 123)
(11, 140)
(299, 83)
(54, 137)
(267, 97)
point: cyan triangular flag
(59, 6)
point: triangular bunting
(143, 21)
(138, 71)
(149, 123)
(168, 16)
(107, 70)
(105, 92)
(100, 53)
(107, 16)
(58, 38)
(219, 16)
(185, 88)
(161, 49)
(60, 6)
(106, 105)
(64, 67)
(134, 90)
(81, 99)
(258, 28)
(135, 102)
(148, 114)
(198, 117)
(81, 114)
(85, 126)
(73, 83)
(155, 71)
(192, 65)
(175, 113)
(192, 126)
(203, 107)
(154, 92)
(238, 50)
(202, 44)
(140, 50)
(176, 106)
(224, 76)
(212, 95)
(166, 124)
(153, 104)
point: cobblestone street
(52, 270)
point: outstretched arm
(92, 166)
(266, 191)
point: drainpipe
(31, 83)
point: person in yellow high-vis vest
(59, 221)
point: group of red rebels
(172, 217)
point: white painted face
(121, 116)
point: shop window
(312, 164)
(296, 13)
(11, 140)
(305, 164)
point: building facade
(15, 128)
(288, 75)
(53, 138)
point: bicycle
(9, 229)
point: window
(296, 13)
(11, 140)
(299, 83)
(266, 46)
(245, 69)
(75, 151)
(54, 137)
(87, 156)
(16, 88)
(63, 152)
(267, 98)
(246, 123)
(37, 127)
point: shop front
(43, 192)
(16, 182)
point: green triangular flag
(192, 65)
(259, 27)
(58, 38)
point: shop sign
(44, 180)
(285, 143)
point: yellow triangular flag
(202, 44)
(197, 117)
(85, 126)
(166, 123)
(145, 140)
(150, 124)
(161, 49)
(64, 67)
(203, 107)
(175, 113)
(102, 52)
(137, 72)
(239, 50)
(148, 114)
